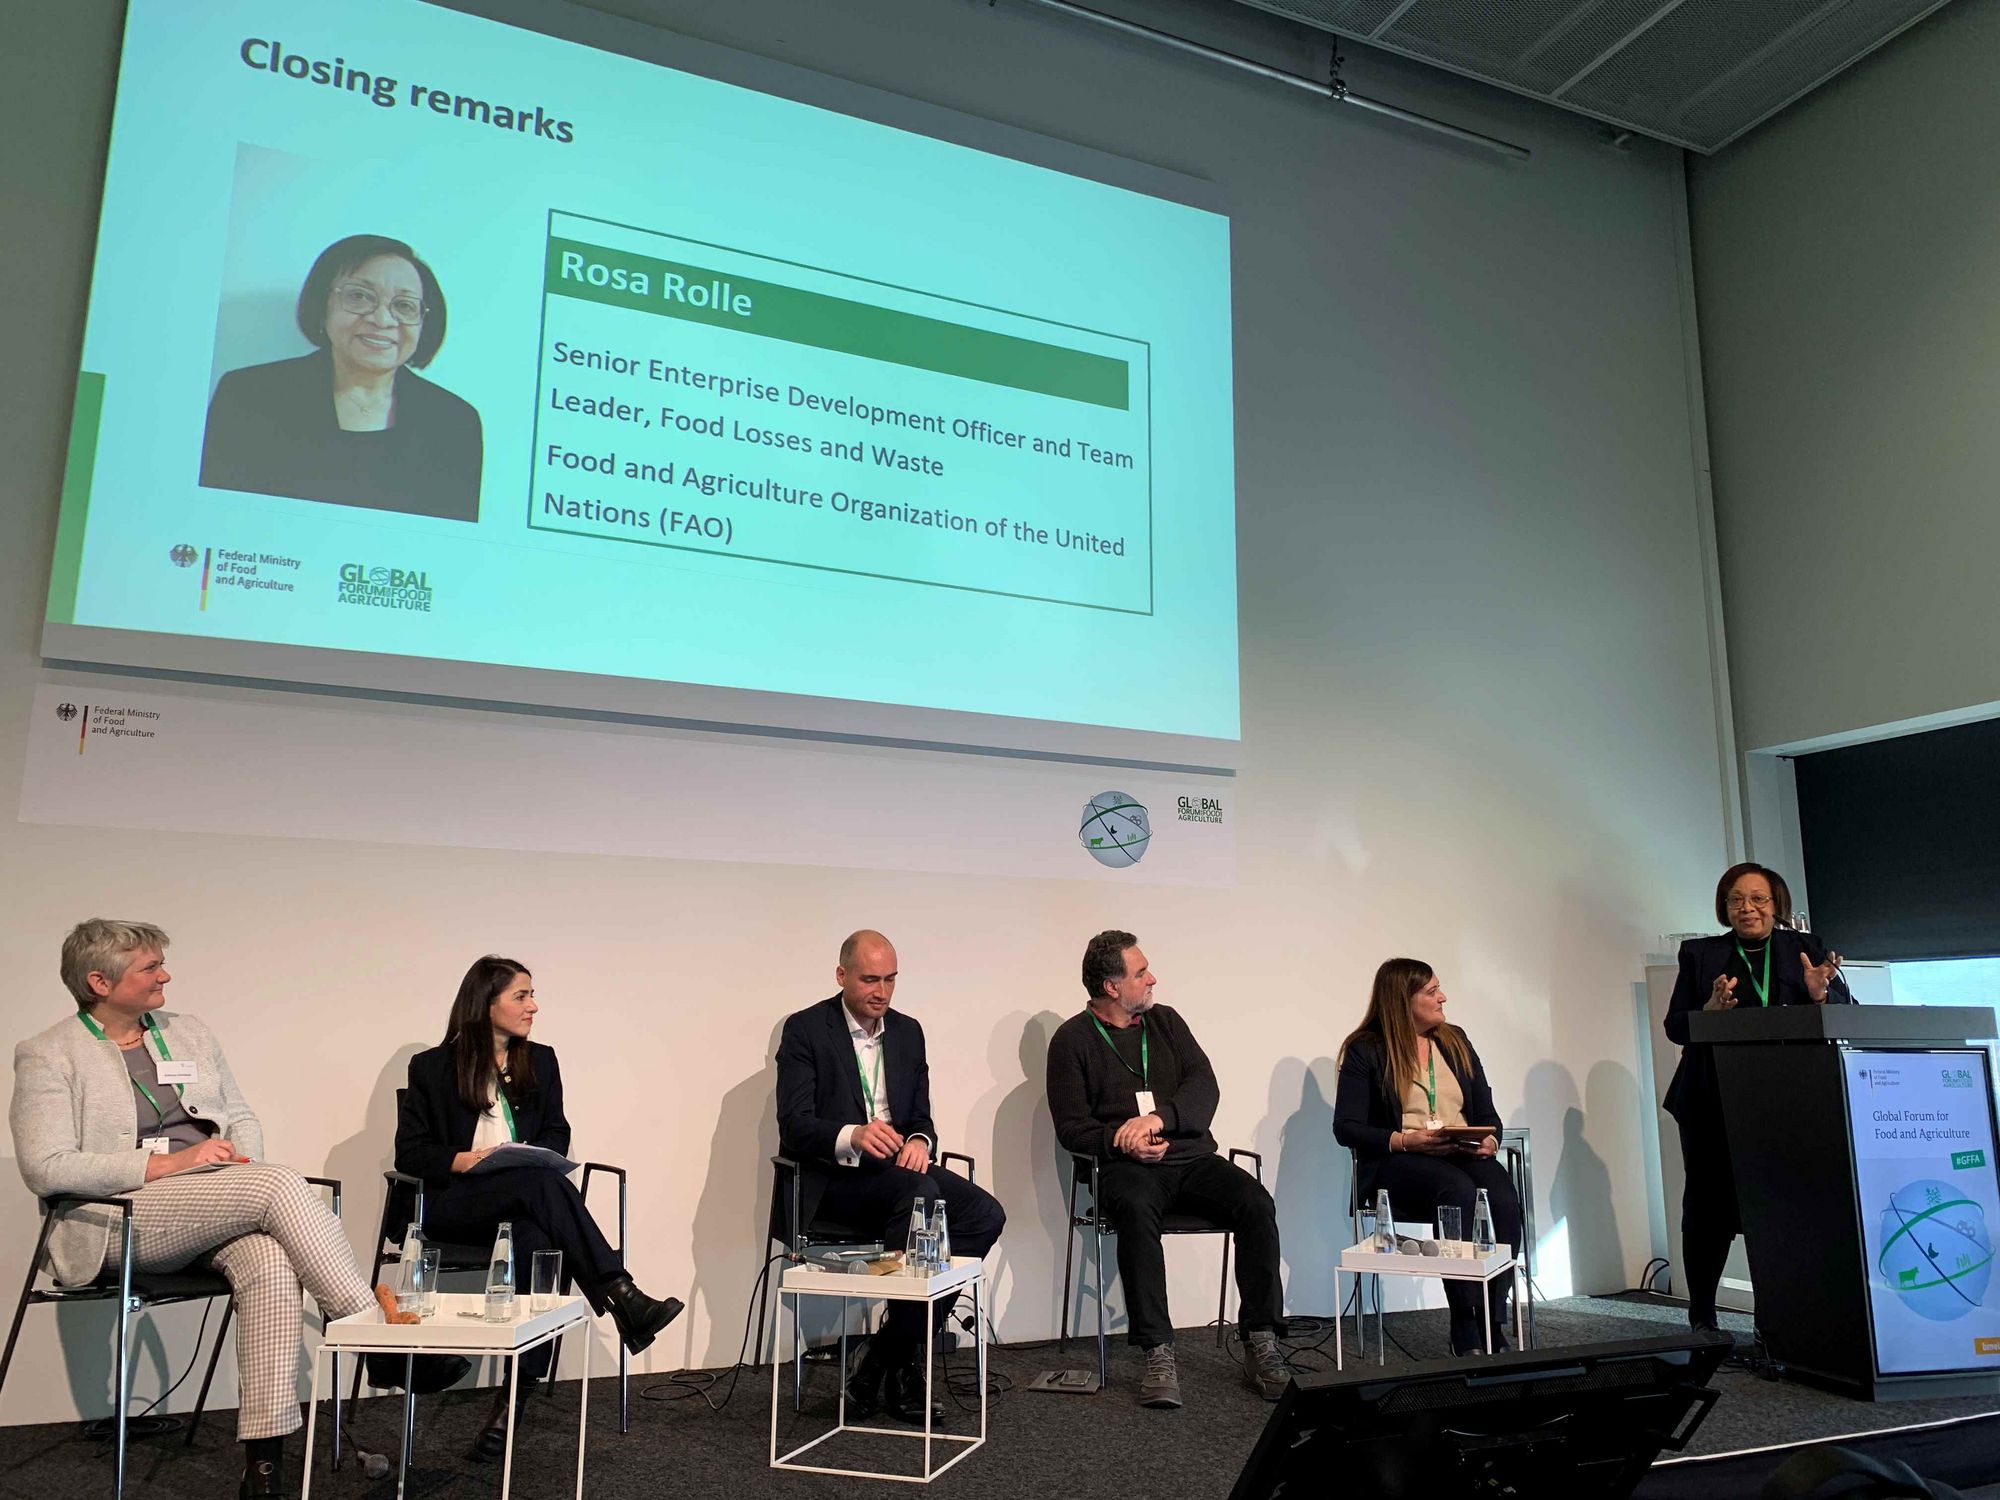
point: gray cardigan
(75, 1118)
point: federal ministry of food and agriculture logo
(185, 555)
(1115, 829)
(1937, 1255)
(66, 711)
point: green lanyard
(1145, 1069)
(1763, 988)
(868, 1093)
(159, 1045)
(506, 1110)
(1431, 1088)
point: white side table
(458, 1326)
(810, 1281)
(1363, 1260)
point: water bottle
(941, 1239)
(916, 1243)
(1385, 1222)
(410, 1270)
(1483, 1238)
(500, 1277)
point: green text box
(821, 322)
(1960, 1160)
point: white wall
(1477, 707)
(1846, 262)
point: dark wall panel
(1902, 844)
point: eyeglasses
(1738, 903)
(352, 297)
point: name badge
(174, 1071)
(1146, 1102)
(158, 1145)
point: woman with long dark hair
(1759, 960)
(1406, 1075)
(486, 1086)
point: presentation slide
(417, 335)
(1930, 1200)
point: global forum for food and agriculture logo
(1937, 1255)
(1115, 829)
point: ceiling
(1698, 73)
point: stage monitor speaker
(1583, 1422)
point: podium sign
(1928, 1191)
(1862, 1138)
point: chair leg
(799, 1360)
(1222, 1298)
(624, 1389)
(122, 1380)
(1097, 1229)
(20, 1312)
(1069, 1252)
(208, 1377)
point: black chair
(1083, 1175)
(799, 1241)
(403, 1205)
(133, 1290)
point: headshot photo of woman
(353, 423)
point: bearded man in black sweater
(1130, 1086)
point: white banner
(127, 753)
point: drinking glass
(546, 1280)
(1451, 1226)
(410, 1284)
(430, 1299)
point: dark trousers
(1710, 1218)
(875, 1194)
(1420, 1185)
(546, 1212)
(1139, 1195)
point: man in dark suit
(854, 1110)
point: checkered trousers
(270, 1233)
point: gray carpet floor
(1038, 1444)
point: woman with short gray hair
(126, 1099)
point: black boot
(864, 1386)
(432, 1372)
(263, 1469)
(639, 1318)
(903, 1396)
(491, 1444)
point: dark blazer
(1366, 1113)
(433, 1124)
(272, 431)
(819, 1092)
(1693, 1093)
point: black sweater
(1092, 1092)
(1367, 1111)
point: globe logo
(1936, 1253)
(183, 555)
(1115, 829)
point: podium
(1863, 1141)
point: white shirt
(868, 1058)
(491, 1129)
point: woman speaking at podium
(485, 1088)
(1760, 960)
